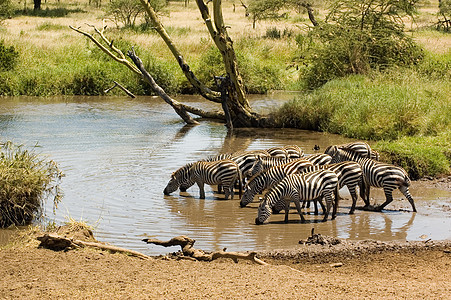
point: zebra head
(247, 197)
(172, 185)
(264, 211)
(256, 168)
(178, 179)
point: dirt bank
(366, 269)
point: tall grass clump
(386, 106)
(420, 156)
(27, 180)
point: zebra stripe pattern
(362, 148)
(380, 175)
(297, 187)
(268, 178)
(349, 174)
(264, 163)
(223, 172)
(319, 159)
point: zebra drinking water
(349, 174)
(223, 172)
(296, 188)
(268, 178)
(377, 174)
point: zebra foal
(296, 188)
(222, 172)
(379, 175)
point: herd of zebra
(288, 175)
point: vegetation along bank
(385, 80)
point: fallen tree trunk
(187, 245)
(58, 243)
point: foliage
(8, 57)
(258, 73)
(445, 12)
(127, 11)
(420, 156)
(406, 105)
(359, 36)
(6, 9)
(265, 9)
(26, 181)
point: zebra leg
(328, 197)
(201, 189)
(353, 192)
(406, 193)
(287, 210)
(297, 202)
(336, 198)
(320, 201)
(388, 196)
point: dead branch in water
(58, 243)
(187, 244)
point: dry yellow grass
(24, 29)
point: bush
(339, 51)
(359, 37)
(8, 57)
(26, 181)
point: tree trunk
(37, 5)
(242, 114)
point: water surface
(117, 155)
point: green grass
(408, 111)
(26, 180)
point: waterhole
(117, 155)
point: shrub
(8, 57)
(26, 181)
(359, 37)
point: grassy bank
(407, 111)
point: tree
(232, 96)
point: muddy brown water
(117, 155)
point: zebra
(277, 152)
(360, 147)
(225, 172)
(294, 151)
(268, 178)
(349, 174)
(264, 163)
(377, 174)
(297, 187)
(319, 159)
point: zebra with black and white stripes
(362, 148)
(268, 178)
(349, 174)
(319, 158)
(377, 174)
(222, 172)
(264, 163)
(299, 187)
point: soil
(321, 268)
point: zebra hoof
(257, 222)
(242, 205)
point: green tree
(127, 11)
(360, 35)
(264, 9)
